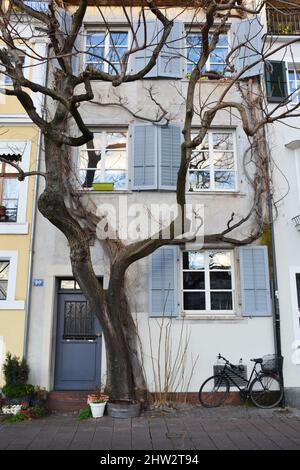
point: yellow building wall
(12, 322)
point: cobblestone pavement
(197, 428)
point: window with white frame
(294, 83)
(9, 193)
(216, 60)
(105, 49)
(104, 159)
(14, 193)
(208, 281)
(4, 270)
(213, 163)
(8, 281)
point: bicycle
(264, 387)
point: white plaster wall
(286, 178)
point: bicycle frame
(254, 374)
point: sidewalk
(198, 428)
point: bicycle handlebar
(226, 360)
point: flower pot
(103, 186)
(97, 409)
(123, 409)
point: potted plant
(103, 186)
(123, 409)
(39, 397)
(16, 389)
(98, 407)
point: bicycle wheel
(266, 391)
(214, 391)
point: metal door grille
(78, 321)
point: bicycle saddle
(258, 360)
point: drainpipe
(274, 284)
(33, 228)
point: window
(104, 160)
(294, 84)
(208, 281)
(105, 49)
(213, 164)
(4, 269)
(8, 281)
(7, 78)
(9, 193)
(216, 60)
(40, 6)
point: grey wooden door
(78, 345)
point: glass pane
(194, 280)
(223, 141)
(194, 300)
(193, 55)
(224, 160)
(116, 54)
(220, 260)
(204, 144)
(4, 268)
(90, 159)
(223, 40)
(67, 284)
(199, 180)
(225, 180)
(193, 260)
(3, 290)
(221, 300)
(116, 177)
(10, 188)
(220, 280)
(95, 39)
(88, 177)
(200, 160)
(79, 320)
(194, 39)
(119, 39)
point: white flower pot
(97, 409)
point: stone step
(67, 400)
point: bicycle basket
(272, 363)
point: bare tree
(60, 202)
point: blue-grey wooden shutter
(169, 155)
(276, 81)
(163, 290)
(169, 61)
(141, 58)
(255, 282)
(144, 156)
(247, 32)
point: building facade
(215, 298)
(19, 143)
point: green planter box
(103, 186)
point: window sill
(12, 304)
(95, 191)
(211, 316)
(13, 228)
(216, 193)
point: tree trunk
(125, 377)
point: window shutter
(169, 155)
(276, 81)
(163, 290)
(144, 156)
(255, 282)
(169, 61)
(141, 58)
(247, 31)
